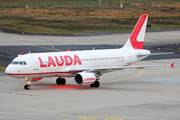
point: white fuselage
(58, 64)
(85, 66)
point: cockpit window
(15, 62)
(18, 62)
(21, 63)
(24, 63)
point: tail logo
(137, 36)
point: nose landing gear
(27, 87)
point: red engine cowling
(84, 78)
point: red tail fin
(136, 38)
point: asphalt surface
(133, 94)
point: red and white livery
(84, 66)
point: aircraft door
(129, 58)
(35, 63)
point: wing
(102, 70)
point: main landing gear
(60, 81)
(27, 87)
(96, 84)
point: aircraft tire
(27, 87)
(63, 81)
(58, 81)
(96, 84)
(92, 85)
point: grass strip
(69, 16)
(2, 68)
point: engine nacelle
(84, 78)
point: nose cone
(8, 70)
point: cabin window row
(109, 58)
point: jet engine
(84, 78)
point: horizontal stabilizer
(165, 53)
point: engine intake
(84, 78)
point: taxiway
(132, 94)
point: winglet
(172, 65)
(21, 53)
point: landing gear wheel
(27, 87)
(96, 84)
(92, 85)
(61, 81)
(58, 81)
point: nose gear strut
(27, 87)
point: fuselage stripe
(36, 73)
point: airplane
(85, 66)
